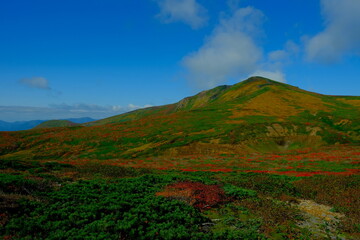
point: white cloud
(282, 56)
(82, 107)
(276, 60)
(273, 75)
(36, 82)
(131, 106)
(341, 34)
(63, 111)
(116, 108)
(278, 55)
(233, 4)
(229, 52)
(187, 11)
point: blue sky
(66, 58)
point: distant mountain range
(26, 125)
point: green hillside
(256, 96)
(256, 115)
(55, 123)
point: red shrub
(196, 194)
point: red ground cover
(196, 194)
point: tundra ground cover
(52, 200)
(334, 160)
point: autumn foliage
(195, 193)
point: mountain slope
(55, 123)
(254, 97)
(256, 115)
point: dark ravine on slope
(256, 115)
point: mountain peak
(258, 79)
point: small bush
(238, 193)
(21, 185)
(196, 194)
(269, 184)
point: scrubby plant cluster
(195, 193)
(49, 200)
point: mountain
(64, 123)
(256, 115)
(25, 125)
(253, 98)
(56, 123)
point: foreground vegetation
(51, 200)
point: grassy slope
(255, 115)
(255, 96)
(55, 123)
